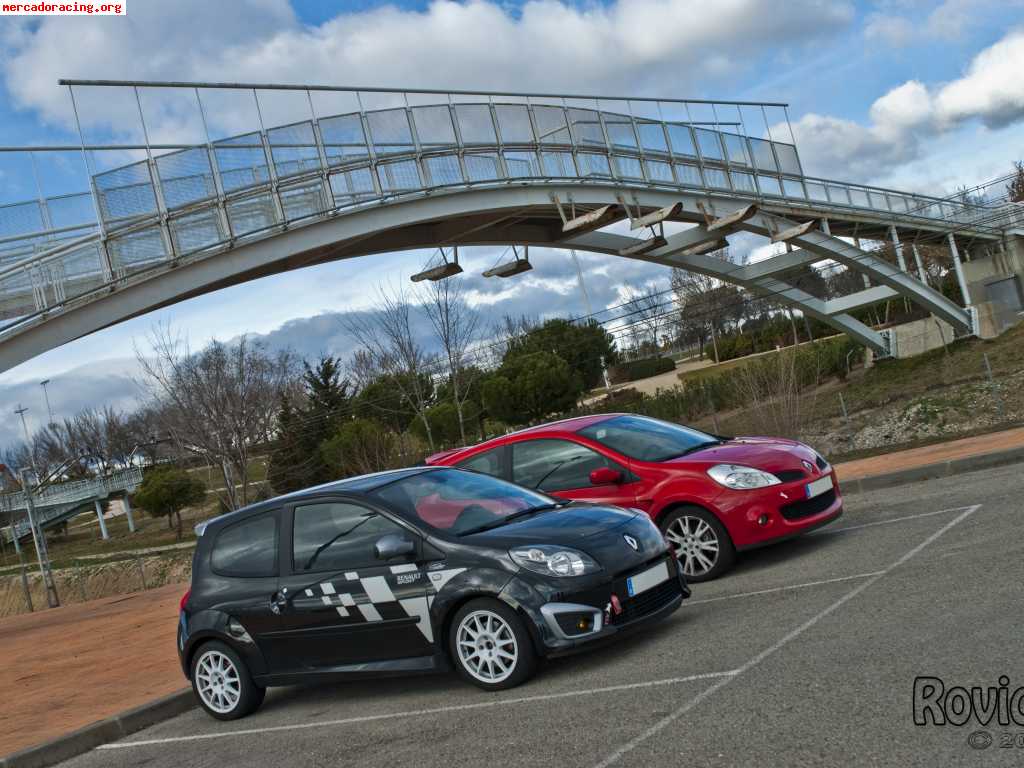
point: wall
(920, 336)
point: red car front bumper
(767, 515)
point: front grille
(650, 601)
(800, 509)
(789, 475)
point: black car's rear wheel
(700, 542)
(222, 683)
(490, 645)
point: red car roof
(565, 425)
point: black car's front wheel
(222, 682)
(700, 542)
(490, 645)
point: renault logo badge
(809, 467)
(632, 542)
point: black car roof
(358, 484)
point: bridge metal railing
(54, 501)
(186, 200)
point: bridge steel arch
(161, 238)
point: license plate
(819, 486)
(652, 577)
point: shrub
(361, 446)
(641, 369)
(165, 491)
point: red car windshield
(647, 439)
(456, 501)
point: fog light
(584, 624)
(762, 520)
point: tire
(222, 683)
(496, 648)
(701, 543)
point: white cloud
(634, 46)
(990, 91)
(891, 30)
(949, 20)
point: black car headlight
(549, 560)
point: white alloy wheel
(217, 682)
(487, 646)
(695, 543)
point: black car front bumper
(614, 612)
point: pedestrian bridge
(453, 169)
(57, 503)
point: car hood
(771, 454)
(597, 530)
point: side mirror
(605, 476)
(391, 546)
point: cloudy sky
(916, 94)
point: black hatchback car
(409, 571)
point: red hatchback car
(711, 496)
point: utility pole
(28, 442)
(46, 395)
(590, 314)
(39, 539)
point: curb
(101, 732)
(933, 471)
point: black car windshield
(645, 439)
(456, 502)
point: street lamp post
(39, 539)
(46, 395)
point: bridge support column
(128, 513)
(959, 269)
(898, 247)
(99, 516)
(920, 265)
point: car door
(339, 603)
(244, 563)
(563, 468)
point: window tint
(456, 502)
(647, 439)
(486, 463)
(555, 465)
(248, 548)
(336, 536)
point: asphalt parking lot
(805, 655)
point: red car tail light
(184, 600)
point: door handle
(279, 601)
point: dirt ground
(68, 667)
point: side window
(486, 463)
(248, 548)
(337, 536)
(555, 465)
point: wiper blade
(513, 517)
(693, 449)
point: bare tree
(456, 326)
(218, 403)
(386, 334)
(646, 314)
(695, 297)
(771, 389)
(1015, 189)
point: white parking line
(783, 589)
(421, 712)
(889, 521)
(666, 721)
